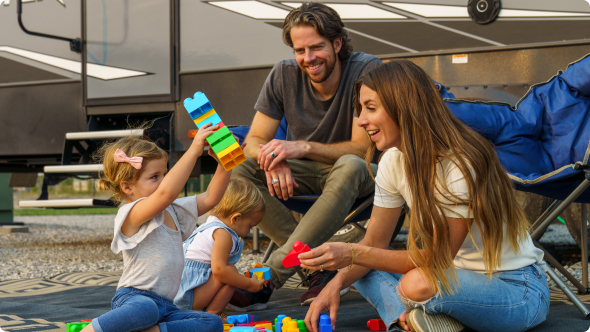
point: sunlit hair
(324, 19)
(241, 196)
(429, 133)
(115, 172)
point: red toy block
(86, 320)
(376, 325)
(255, 323)
(291, 258)
(219, 126)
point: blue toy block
(214, 119)
(325, 324)
(279, 323)
(238, 319)
(198, 105)
(264, 270)
(243, 329)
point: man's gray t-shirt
(288, 92)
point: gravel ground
(60, 244)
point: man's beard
(329, 68)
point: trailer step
(92, 168)
(104, 134)
(65, 203)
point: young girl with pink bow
(150, 229)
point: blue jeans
(515, 300)
(136, 310)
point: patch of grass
(64, 212)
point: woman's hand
(329, 256)
(329, 300)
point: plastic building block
(261, 273)
(279, 323)
(85, 320)
(262, 329)
(222, 141)
(291, 258)
(256, 323)
(301, 326)
(376, 325)
(267, 326)
(286, 321)
(227, 327)
(243, 329)
(198, 105)
(252, 318)
(291, 326)
(238, 319)
(76, 327)
(325, 324)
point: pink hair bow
(121, 157)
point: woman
(469, 260)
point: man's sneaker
(243, 300)
(319, 280)
(420, 321)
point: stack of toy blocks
(221, 141)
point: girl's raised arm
(170, 186)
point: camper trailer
(74, 73)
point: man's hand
(284, 187)
(329, 300)
(282, 150)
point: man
(324, 147)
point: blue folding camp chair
(543, 142)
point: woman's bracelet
(352, 252)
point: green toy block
(221, 139)
(76, 327)
(301, 326)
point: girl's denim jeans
(515, 300)
(137, 310)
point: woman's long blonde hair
(430, 133)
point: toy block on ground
(222, 141)
(291, 258)
(227, 327)
(238, 319)
(325, 324)
(301, 326)
(261, 273)
(76, 327)
(376, 325)
(267, 326)
(291, 326)
(243, 329)
(255, 323)
(285, 322)
(279, 323)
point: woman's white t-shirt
(392, 191)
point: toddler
(210, 277)
(150, 229)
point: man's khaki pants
(339, 186)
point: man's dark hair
(324, 19)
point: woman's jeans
(514, 300)
(137, 310)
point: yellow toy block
(204, 116)
(227, 327)
(259, 276)
(286, 321)
(291, 326)
(267, 326)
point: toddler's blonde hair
(241, 196)
(115, 172)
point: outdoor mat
(48, 304)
